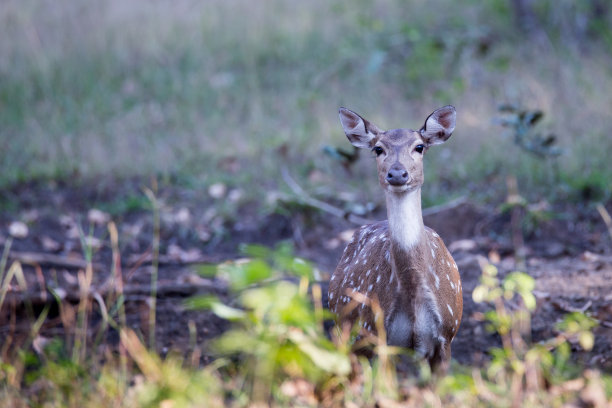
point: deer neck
(407, 233)
(405, 220)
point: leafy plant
(277, 354)
(522, 123)
(278, 328)
(527, 370)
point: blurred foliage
(127, 90)
(531, 371)
(278, 332)
(522, 123)
(277, 354)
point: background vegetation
(183, 88)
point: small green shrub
(278, 330)
(530, 371)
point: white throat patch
(405, 218)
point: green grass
(276, 353)
(156, 88)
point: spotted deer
(399, 263)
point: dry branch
(41, 258)
(451, 205)
(147, 258)
(130, 292)
(321, 205)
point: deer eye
(419, 148)
(378, 150)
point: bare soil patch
(569, 255)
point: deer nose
(397, 175)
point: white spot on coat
(449, 309)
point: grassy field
(179, 88)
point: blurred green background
(234, 90)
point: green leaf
(207, 270)
(520, 282)
(480, 293)
(255, 251)
(226, 312)
(301, 268)
(330, 361)
(256, 271)
(529, 300)
(586, 340)
(201, 302)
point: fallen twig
(130, 292)
(571, 309)
(41, 258)
(444, 207)
(147, 258)
(321, 205)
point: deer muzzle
(397, 175)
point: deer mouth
(399, 188)
(410, 185)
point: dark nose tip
(397, 175)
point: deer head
(399, 152)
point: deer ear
(439, 125)
(359, 131)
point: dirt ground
(568, 254)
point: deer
(400, 264)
